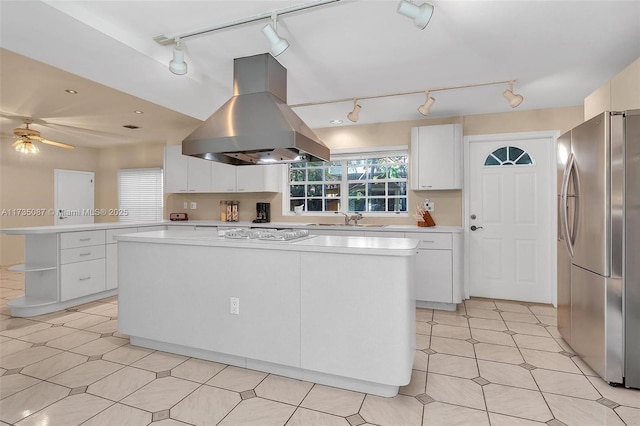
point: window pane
(297, 175)
(525, 159)
(332, 191)
(397, 204)
(377, 189)
(314, 205)
(357, 173)
(397, 188)
(377, 172)
(501, 154)
(376, 205)
(514, 153)
(357, 190)
(314, 190)
(296, 190)
(332, 205)
(491, 161)
(397, 171)
(333, 173)
(356, 205)
(294, 203)
(315, 175)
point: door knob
(474, 228)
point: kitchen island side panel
(181, 294)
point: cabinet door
(82, 278)
(434, 276)
(258, 178)
(176, 170)
(223, 177)
(436, 157)
(198, 175)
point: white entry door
(73, 200)
(510, 219)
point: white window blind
(140, 195)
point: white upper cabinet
(223, 177)
(258, 178)
(436, 157)
(185, 174)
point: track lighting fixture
(420, 14)
(424, 109)
(354, 115)
(278, 44)
(178, 65)
(514, 100)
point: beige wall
(27, 182)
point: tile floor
(490, 363)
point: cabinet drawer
(80, 254)
(81, 239)
(441, 241)
(82, 278)
(110, 233)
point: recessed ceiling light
(137, 111)
(71, 91)
(336, 121)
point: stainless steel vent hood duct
(256, 126)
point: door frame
(551, 137)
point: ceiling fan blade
(16, 143)
(58, 144)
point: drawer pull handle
(428, 241)
(85, 278)
(85, 239)
(85, 254)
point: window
(376, 182)
(140, 195)
(508, 156)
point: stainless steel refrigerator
(599, 244)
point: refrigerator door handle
(570, 173)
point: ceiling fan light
(27, 147)
(354, 115)
(178, 65)
(425, 108)
(278, 44)
(514, 99)
(421, 15)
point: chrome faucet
(347, 219)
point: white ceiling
(557, 51)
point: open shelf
(30, 268)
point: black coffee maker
(263, 212)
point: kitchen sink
(359, 225)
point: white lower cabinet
(438, 268)
(82, 278)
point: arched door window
(508, 156)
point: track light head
(420, 14)
(354, 115)
(425, 108)
(514, 100)
(278, 44)
(178, 65)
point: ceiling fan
(27, 136)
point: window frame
(343, 156)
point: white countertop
(310, 226)
(313, 243)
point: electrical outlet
(193, 205)
(186, 206)
(429, 205)
(234, 305)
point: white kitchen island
(333, 310)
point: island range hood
(256, 126)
